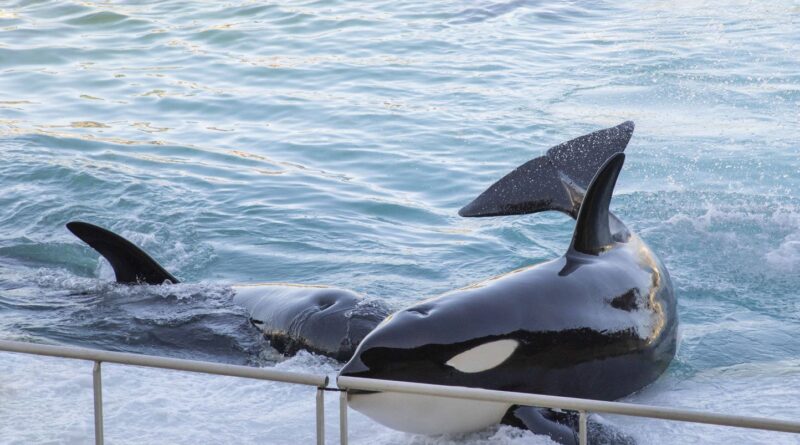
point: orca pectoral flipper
(558, 426)
(555, 181)
(562, 426)
(131, 264)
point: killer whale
(600, 322)
(323, 320)
(604, 260)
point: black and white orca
(600, 322)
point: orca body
(598, 327)
(600, 322)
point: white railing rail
(123, 358)
(582, 406)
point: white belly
(428, 414)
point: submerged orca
(320, 319)
(600, 322)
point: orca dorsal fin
(592, 233)
(555, 181)
(131, 264)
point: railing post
(97, 383)
(582, 427)
(343, 418)
(320, 416)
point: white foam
(766, 389)
(786, 256)
(49, 400)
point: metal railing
(582, 406)
(123, 358)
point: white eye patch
(483, 357)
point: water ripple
(332, 142)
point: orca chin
(443, 415)
(402, 412)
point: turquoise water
(333, 143)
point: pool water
(332, 142)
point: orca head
(430, 343)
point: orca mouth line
(360, 392)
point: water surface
(332, 142)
